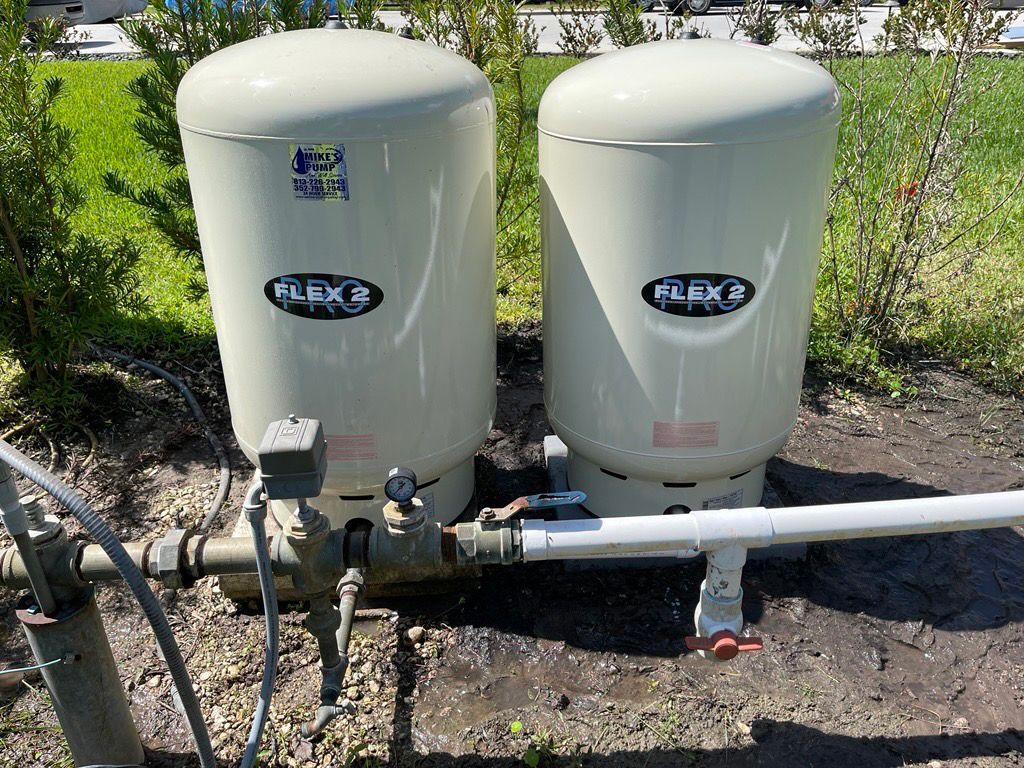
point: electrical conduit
(105, 537)
(255, 509)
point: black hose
(197, 412)
(115, 550)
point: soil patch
(888, 652)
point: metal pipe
(15, 520)
(203, 557)
(34, 570)
(322, 622)
(330, 691)
(85, 689)
(93, 564)
(348, 594)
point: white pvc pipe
(592, 538)
(904, 517)
(710, 530)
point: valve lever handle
(537, 501)
(724, 644)
(544, 500)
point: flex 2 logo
(323, 296)
(703, 294)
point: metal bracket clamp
(537, 501)
(167, 556)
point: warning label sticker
(351, 447)
(732, 500)
(319, 171)
(685, 434)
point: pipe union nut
(167, 556)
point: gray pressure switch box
(293, 459)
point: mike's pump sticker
(319, 171)
(703, 294)
(323, 296)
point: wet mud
(885, 652)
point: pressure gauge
(400, 486)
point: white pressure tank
(683, 192)
(344, 190)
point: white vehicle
(84, 11)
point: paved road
(717, 22)
(107, 39)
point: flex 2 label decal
(322, 296)
(698, 294)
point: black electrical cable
(197, 412)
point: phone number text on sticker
(701, 294)
(319, 171)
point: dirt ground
(889, 652)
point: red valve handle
(724, 644)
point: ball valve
(724, 644)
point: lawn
(976, 319)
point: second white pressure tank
(344, 190)
(683, 193)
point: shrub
(758, 21)
(174, 37)
(492, 35)
(899, 231)
(625, 25)
(580, 33)
(57, 286)
(365, 14)
(830, 33)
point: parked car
(84, 11)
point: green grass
(974, 318)
(97, 106)
(977, 321)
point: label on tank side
(319, 171)
(732, 500)
(323, 296)
(351, 447)
(685, 434)
(698, 294)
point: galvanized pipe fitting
(333, 679)
(73, 564)
(16, 520)
(85, 689)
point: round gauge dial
(400, 486)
